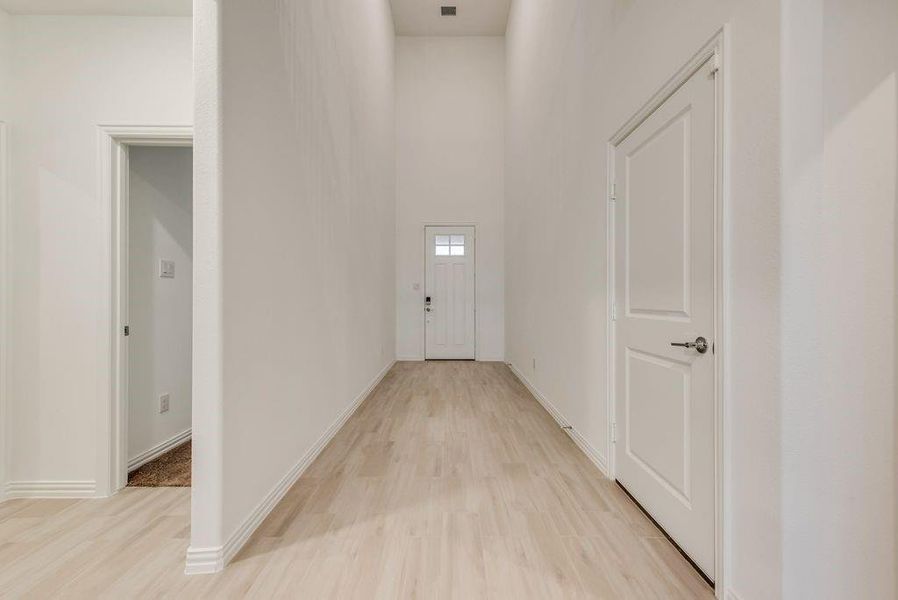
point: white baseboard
(500, 359)
(204, 561)
(158, 450)
(211, 560)
(50, 489)
(731, 595)
(597, 459)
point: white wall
(305, 185)
(160, 309)
(577, 70)
(5, 64)
(840, 143)
(450, 112)
(207, 466)
(5, 93)
(71, 74)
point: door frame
(424, 286)
(114, 144)
(714, 50)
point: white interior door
(664, 228)
(449, 310)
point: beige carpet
(172, 469)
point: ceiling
(99, 7)
(411, 17)
(475, 17)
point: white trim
(158, 450)
(715, 49)
(731, 595)
(419, 358)
(591, 453)
(150, 135)
(204, 561)
(113, 143)
(723, 261)
(51, 489)
(211, 560)
(500, 359)
(5, 262)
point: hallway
(449, 481)
(250, 247)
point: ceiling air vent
(448, 11)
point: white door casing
(449, 315)
(113, 182)
(665, 190)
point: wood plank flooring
(449, 482)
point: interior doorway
(665, 173)
(449, 295)
(146, 174)
(159, 315)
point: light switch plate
(164, 403)
(167, 269)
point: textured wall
(840, 176)
(307, 229)
(71, 74)
(5, 88)
(577, 70)
(450, 165)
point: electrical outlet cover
(164, 403)
(167, 269)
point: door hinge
(613, 432)
(614, 312)
(613, 196)
(127, 330)
(715, 64)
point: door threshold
(697, 569)
(450, 360)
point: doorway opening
(147, 173)
(450, 311)
(159, 315)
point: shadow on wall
(840, 249)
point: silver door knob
(700, 345)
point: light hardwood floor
(449, 481)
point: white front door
(449, 316)
(664, 295)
